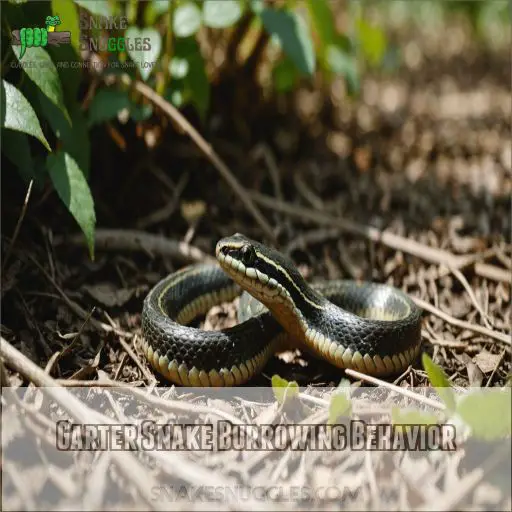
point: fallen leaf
(191, 211)
(475, 376)
(108, 295)
(486, 361)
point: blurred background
(391, 116)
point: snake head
(52, 21)
(265, 273)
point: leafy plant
(439, 380)
(284, 390)
(486, 412)
(157, 42)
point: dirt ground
(409, 184)
(424, 153)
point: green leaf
(344, 385)
(140, 112)
(187, 20)
(145, 57)
(106, 105)
(176, 95)
(97, 7)
(293, 35)
(153, 10)
(74, 139)
(195, 86)
(68, 15)
(179, 67)
(221, 13)
(16, 148)
(160, 6)
(343, 64)
(373, 41)
(197, 83)
(493, 22)
(285, 75)
(17, 113)
(488, 413)
(412, 417)
(257, 6)
(44, 74)
(439, 381)
(284, 390)
(339, 405)
(70, 71)
(72, 188)
(323, 20)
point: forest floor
(409, 184)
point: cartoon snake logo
(37, 37)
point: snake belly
(193, 357)
(369, 327)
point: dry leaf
(109, 295)
(486, 361)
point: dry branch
(498, 336)
(134, 240)
(207, 150)
(132, 469)
(493, 272)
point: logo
(35, 37)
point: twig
(132, 469)
(451, 499)
(102, 383)
(18, 224)
(261, 150)
(315, 236)
(4, 378)
(24, 491)
(314, 400)
(372, 481)
(76, 307)
(47, 350)
(495, 369)
(166, 211)
(60, 354)
(499, 336)
(397, 242)
(149, 376)
(96, 485)
(403, 375)
(121, 366)
(136, 241)
(403, 391)
(178, 405)
(504, 259)
(462, 279)
(207, 150)
(447, 343)
(304, 190)
(152, 400)
(493, 272)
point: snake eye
(248, 255)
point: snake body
(370, 327)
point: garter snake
(370, 327)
